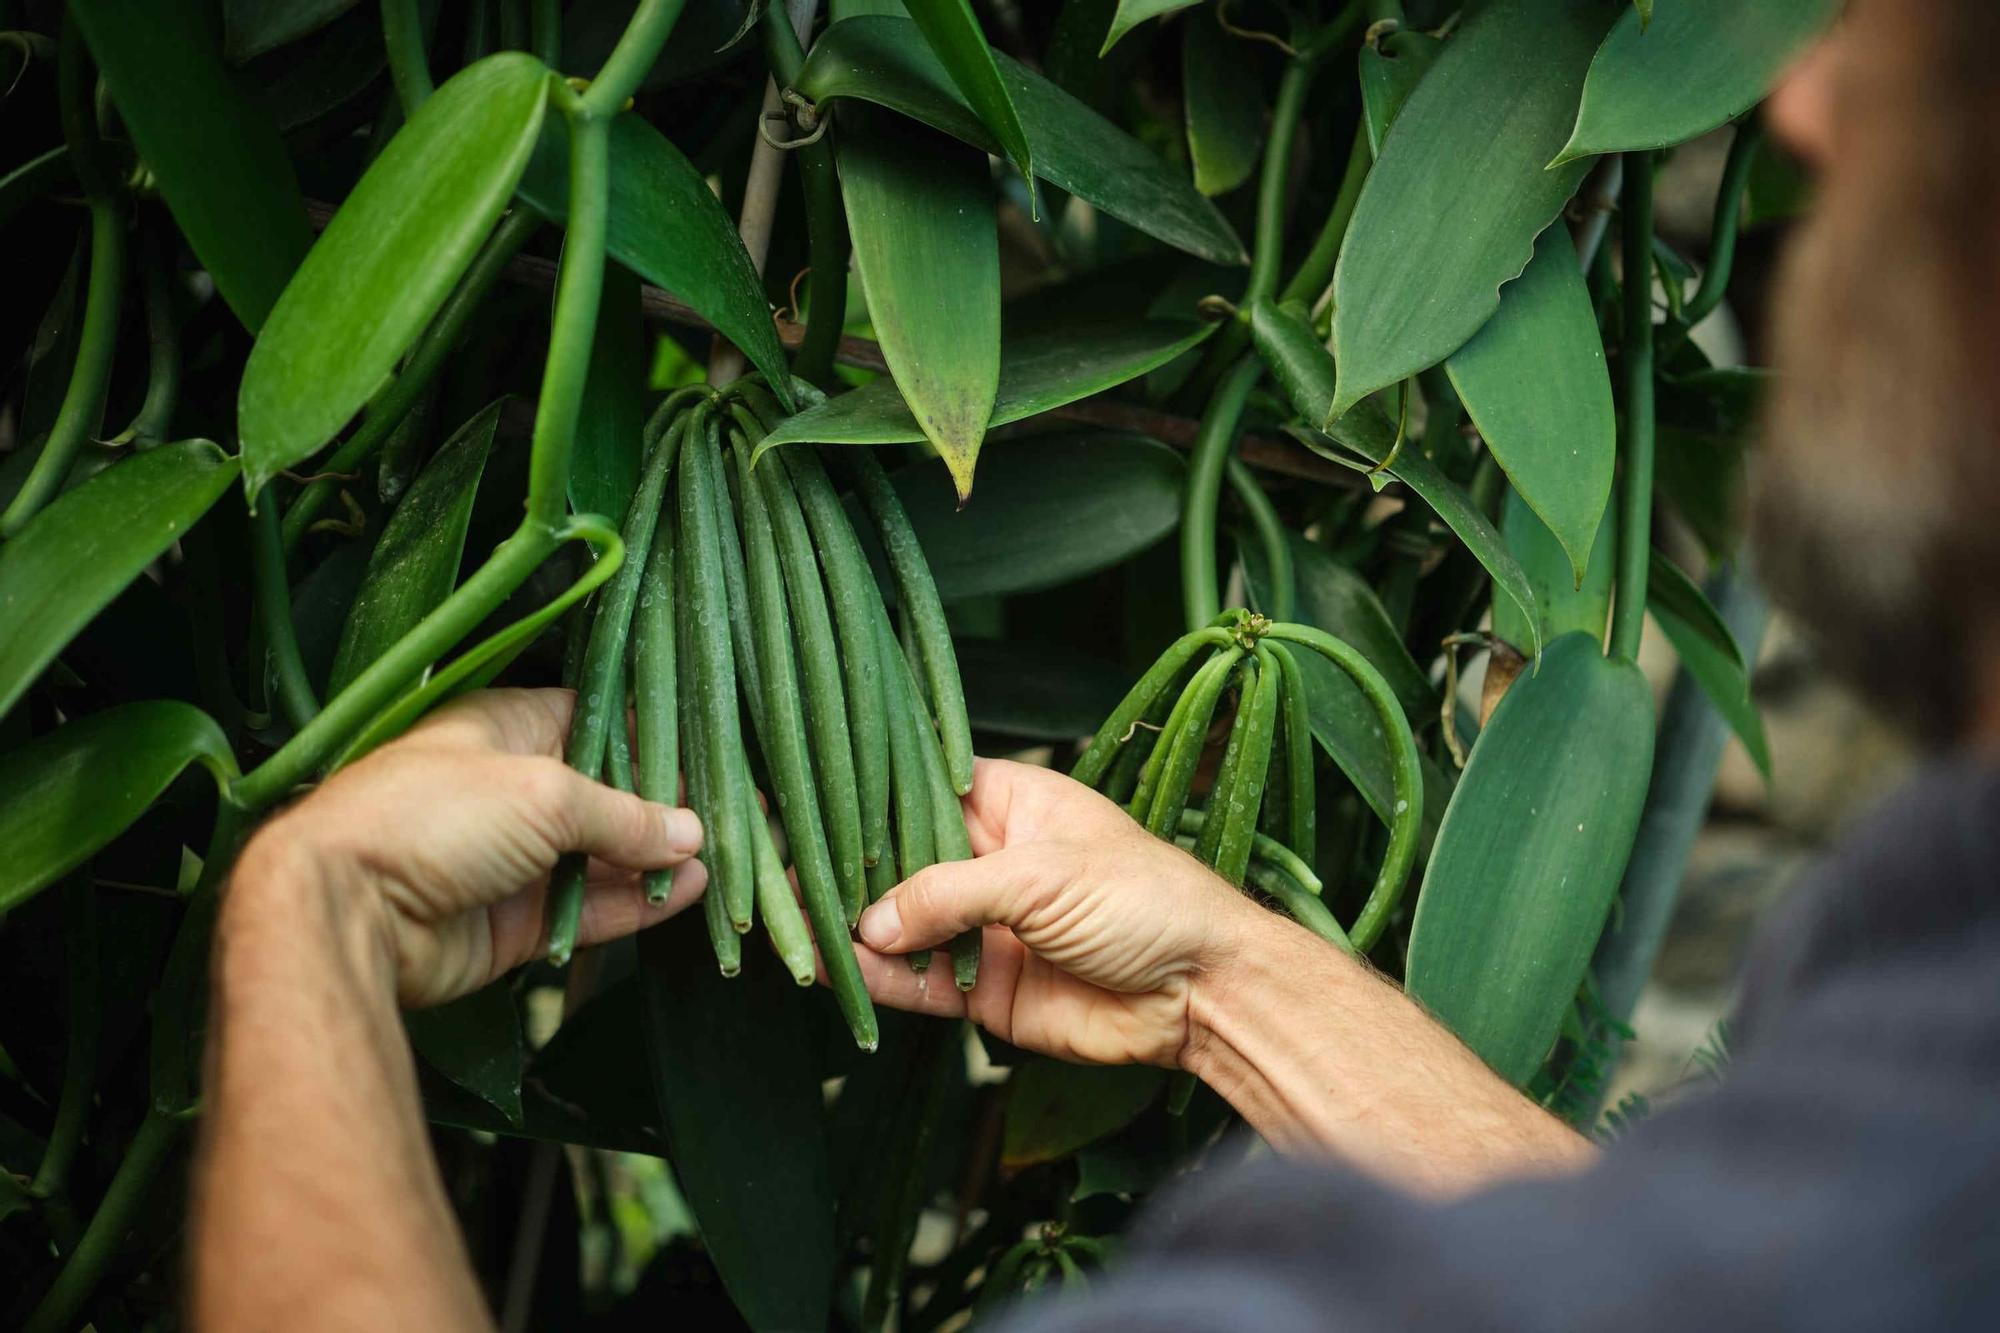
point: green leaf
(1334, 598)
(1051, 508)
(737, 1079)
(1703, 63)
(475, 1041)
(884, 60)
(1780, 187)
(920, 210)
(1536, 385)
(667, 226)
(77, 554)
(604, 462)
(1054, 1108)
(252, 27)
(1452, 208)
(1037, 691)
(415, 563)
(1304, 370)
(1349, 729)
(953, 32)
(66, 794)
(1222, 104)
(1131, 13)
(1038, 371)
(1709, 652)
(1566, 607)
(217, 158)
(1645, 11)
(1391, 69)
(1706, 422)
(386, 262)
(1529, 856)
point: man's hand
(445, 838)
(1103, 931)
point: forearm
(318, 1203)
(1319, 1053)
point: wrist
(283, 898)
(1231, 980)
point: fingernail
(683, 829)
(881, 925)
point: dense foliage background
(331, 329)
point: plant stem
(409, 64)
(347, 712)
(1635, 518)
(83, 400)
(64, 1301)
(83, 1019)
(826, 219)
(627, 64)
(545, 31)
(1200, 593)
(274, 609)
(1271, 535)
(1722, 234)
(1316, 270)
(579, 285)
(1268, 247)
(163, 340)
(393, 403)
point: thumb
(934, 905)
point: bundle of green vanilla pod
(746, 592)
(1254, 831)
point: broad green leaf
(1304, 370)
(1706, 421)
(77, 554)
(1709, 652)
(885, 60)
(1698, 65)
(1131, 13)
(1452, 208)
(1529, 856)
(1054, 1108)
(1222, 104)
(1566, 608)
(1050, 508)
(953, 32)
(66, 794)
(1536, 385)
(1780, 187)
(1334, 598)
(252, 27)
(386, 262)
(604, 462)
(217, 158)
(1038, 371)
(920, 210)
(475, 1041)
(1038, 691)
(415, 563)
(736, 1074)
(1391, 69)
(667, 226)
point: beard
(1874, 491)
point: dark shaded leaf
(1566, 608)
(1131, 13)
(475, 1041)
(252, 27)
(1054, 1108)
(1530, 853)
(953, 32)
(1222, 104)
(604, 462)
(1709, 652)
(1036, 691)
(1390, 71)
(217, 158)
(1334, 598)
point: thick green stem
(390, 406)
(274, 612)
(83, 1021)
(83, 400)
(1274, 179)
(1200, 592)
(578, 289)
(826, 220)
(1728, 218)
(350, 710)
(60, 1307)
(1316, 270)
(154, 419)
(1635, 517)
(635, 53)
(1271, 535)
(545, 31)
(409, 64)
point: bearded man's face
(1874, 491)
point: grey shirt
(1846, 1175)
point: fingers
(933, 905)
(583, 815)
(613, 911)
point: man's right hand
(1097, 933)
